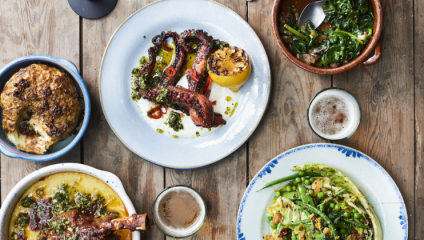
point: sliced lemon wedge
(229, 67)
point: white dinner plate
(372, 180)
(132, 40)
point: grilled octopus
(204, 43)
(190, 101)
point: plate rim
(199, 166)
(348, 151)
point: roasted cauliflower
(41, 106)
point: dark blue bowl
(60, 148)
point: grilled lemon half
(229, 67)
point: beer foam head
(179, 232)
(334, 114)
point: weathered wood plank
(419, 118)
(102, 149)
(36, 27)
(222, 185)
(285, 124)
(385, 92)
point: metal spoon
(313, 11)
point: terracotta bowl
(373, 46)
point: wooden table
(391, 94)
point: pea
(346, 214)
(277, 194)
(303, 179)
(270, 217)
(342, 231)
(288, 188)
(337, 207)
(362, 220)
(357, 215)
(320, 195)
(332, 205)
(311, 192)
(344, 204)
(307, 182)
(294, 188)
(298, 180)
(301, 173)
(273, 225)
(354, 210)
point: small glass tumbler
(180, 232)
(334, 114)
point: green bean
(280, 227)
(321, 214)
(335, 215)
(300, 222)
(305, 198)
(293, 236)
(345, 226)
(284, 179)
(355, 223)
(288, 178)
(307, 213)
(327, 201)
(296, 32)
(290, 195)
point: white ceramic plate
(15, 194)
(128, 45)
(373, 181)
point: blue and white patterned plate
(132, 40)
(373, 181)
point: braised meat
(70, 225)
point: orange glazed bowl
(373, 46)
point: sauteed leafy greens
(351, 24)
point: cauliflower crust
(41, 106)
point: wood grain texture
(385, 92)
(102, 149)
(222, 185)
(36, 27)
(419, 118)
(285, 124)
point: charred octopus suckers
(41, 106)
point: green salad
(350, 28)
(320, 203)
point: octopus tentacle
(204, 42)
(157, 42)
(192, 103)
(178, 63)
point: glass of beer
(334, 114)
(179, 211)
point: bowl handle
(374, 59)
(7, 152)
